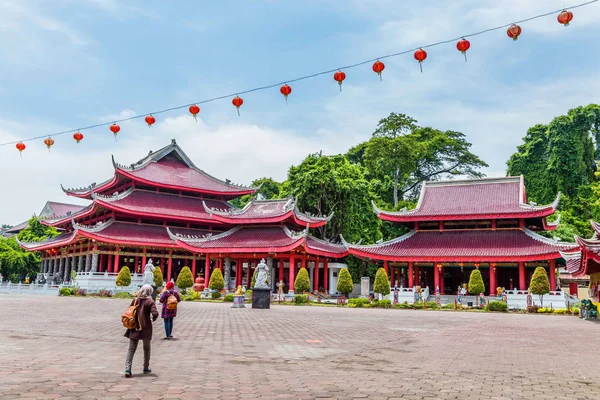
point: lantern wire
(305, 77)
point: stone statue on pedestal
(261, 276)
(149, 274)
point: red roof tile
(327, 249)
(61, 240)
(142, 202)
(60, 209)
(471, 199)
(465, 245)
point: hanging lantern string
(305, 77)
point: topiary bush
(385, 303)
(185, 279)
(418, 305)
(539, 284)
(382, 282)
(476, 286)
(301, 299)
(499, 306)
(122, 295)
(216, 280)
(344, 283)
(215, 295)
(228, 298)
(65, 292)
(124, 277)
(302, 282)
(432, 305)
(158, 277)
(360, 303)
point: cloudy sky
(72, 63)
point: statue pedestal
(238, 302)
(261, 298)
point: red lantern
(565, 17)
(378, 67)
(463, 45)
(115, 129)
(420, 56)
(150, 120)
(194, 110)
(237, 102)
(285, 91)
(339, 77)
(514, 31)
(20, 146)
(77, 136)
(49, 142)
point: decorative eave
(573, 260)
(85, 192)
(595, 226)
(547, 208)
(61, 240)
(114, 197)
(201, 238)
(553, 242)
(63, 219)
(99, 227)
(358, 246)
(551, 226)
(341, 248)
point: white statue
(149, 274)
(261, 276)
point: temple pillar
(411, 274)
(386, 267)
(493, 279)
(326, 275)
(88, 262)
(61, 270)
(227, 275)
(292, 275)
(311, 276)
(442, 280)
(552, 274)
(136, 265)
(110, 263)
(316, 286)
(117, 259)
(144, 262)
(169, 265)
(207, 270)
(437, 271)
(249, 275)
(81, 267)
(194, 268)
(94, 267)
(220, 262)
(304, 261)
(270, 271)
(281, 270)
(522, 284)
(238, 273)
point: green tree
(476, 286)
(344, 283)
(302, 282)
(124, 277)
(539, 284)
(216, 280)
(158, 277)
(37, 232)
(268, 188)
(382, 283)
(185, 279)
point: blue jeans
(168, 326)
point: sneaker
(127, 373)
(147, 371)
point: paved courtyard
(74, 348)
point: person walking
(146, 313)
(169, 299)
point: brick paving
(73, 348)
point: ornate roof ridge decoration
(295, 234)
(48, 240)
(327, 241)
(477, 181)
(553, 242)
(62, 239)
(555, 223)
(404, 211)
(100, 226)
(54, 218)
(534, 207)
(81, 189)
(116, 196)
(308, 216)
(165, 151)
(201, 238)
(595, 226)
(225, 212)
(587, 243)
(379, 244)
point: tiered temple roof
(585, 259)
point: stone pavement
(73, 348)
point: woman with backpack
(138, 319)
(169, 299)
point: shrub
(532, 309)
(539, 283)
(344, 284)
(189, 297)
(498, 306)
(575, 311)
(476, 286)
(432, 305)
(302, 282)
(158, 277)
(449, 306)
(385, 303)
(402, 306)
(560, 311)
(80, 292)
(185, 279)
(418, 305)
(248, 294)
(543, 310)
(382, 282)
(216, 281)
(228, 298)
(105, 293)
(65, 292)
(124, 277)
(122, 295)
(301, 298)
(215, 295)
(362, 302)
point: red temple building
(461, 225)
(166, 209)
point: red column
(221, 265)
(280, 261)
(292, 272)
(493, 284)
(194, 267)
(116, 264)
(326, 275)
(109, 263)
(552, 273)
(411, 274)
(304, 261)
(169, 265)
(143, 259)
(207, 270)
(316, 277)
(136, 265)
(386, 268)
(442, 282)
(522, 284)
(249, 275)
(436, 277)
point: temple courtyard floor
(53, 347)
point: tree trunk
(396, 172)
